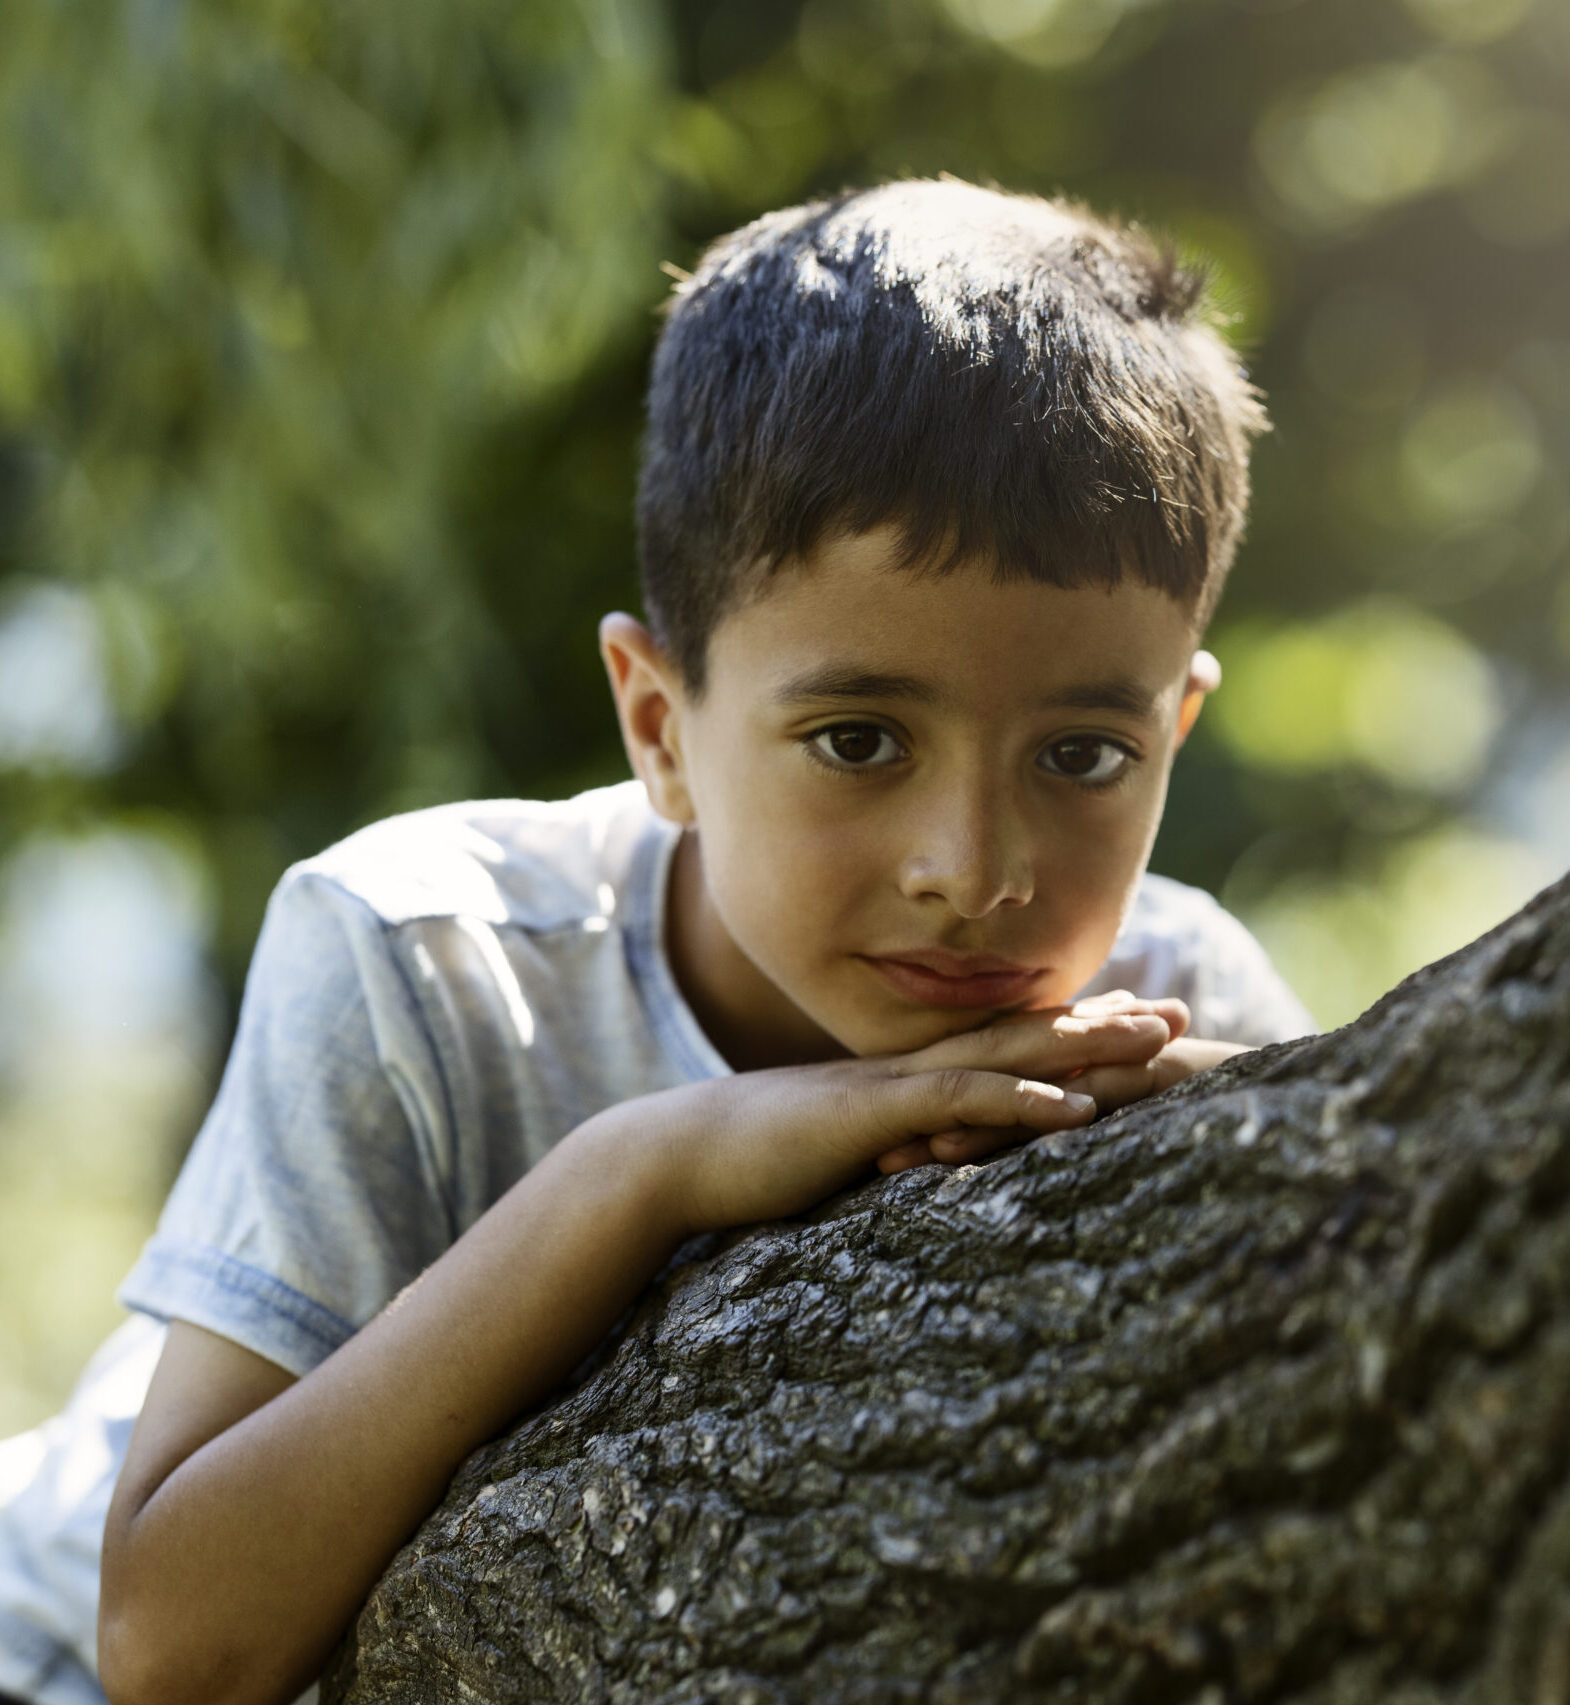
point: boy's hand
(1145, 1071)
(1116, 1086)
(766, 1144)
(1138, 1048)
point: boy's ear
(649, 699)
(1204, 676)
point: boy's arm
(254, 1513)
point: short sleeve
(319, 1184)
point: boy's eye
(859, 745)
(1087, 758)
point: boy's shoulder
(1164, 907)
(535, 864)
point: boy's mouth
(956, 979)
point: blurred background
(322, 336)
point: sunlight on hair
(1383, 686)
(1343, 941)
(1378, 135)
(1238, 284)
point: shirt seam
(164, 1259)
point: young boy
(939, 491)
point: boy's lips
(936, 978)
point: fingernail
(1077, 1103)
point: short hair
(1003, 377)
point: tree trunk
(1258, 1391)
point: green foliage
(272, 280)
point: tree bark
(1258, 1391)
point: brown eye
(1087, 758)
(857, 745)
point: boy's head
(1002, 378)
(939, 490)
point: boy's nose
(975, 860)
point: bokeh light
(1469, 455)
(1344, 940)
(1045, 33)
(1381, 685)
(1374, 136)
(55, 707)
(1469, 22)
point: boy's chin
(906, 1032)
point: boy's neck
(742, 1013)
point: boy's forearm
(246, 1563)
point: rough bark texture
(1260, 1391)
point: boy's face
(918, 802)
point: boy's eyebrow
(1121, 696)
(841, 681)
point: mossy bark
(1259, 1391)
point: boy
(939, 489)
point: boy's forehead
(853, 621)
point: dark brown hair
(1005, 378)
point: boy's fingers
(950, 1148)
(959, 1148)
(1168, 1007)
(905, 1156)
(935, 1103)
(1176, 1013)
(1119, 1000)
(1051, 1045)
(1117, 1086)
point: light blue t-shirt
(433, 1004)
